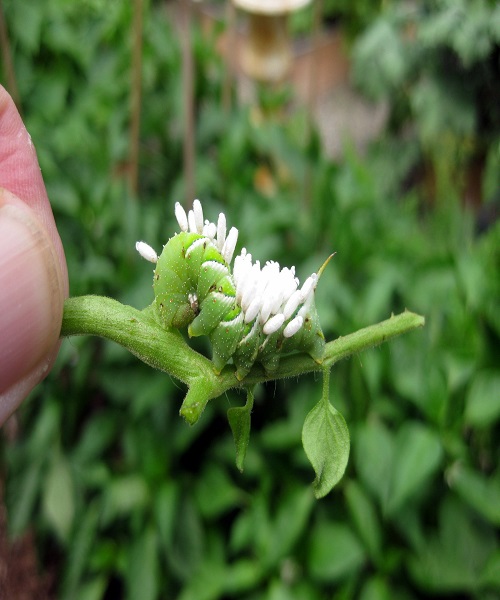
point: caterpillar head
(175, 294)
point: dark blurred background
(377, 137)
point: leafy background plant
(438, 62)
(125, 499)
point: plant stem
(326, 386)
(135, 330)
(185, 14)
(166, 349)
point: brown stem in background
(8, 65)
(312, 93)
(229, 52)
(188, 99)
(135, 96)
(316, 42)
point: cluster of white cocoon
(269, 294)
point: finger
(32, 292)
(20, 172)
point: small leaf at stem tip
(239, 420)
(325, 438)
(323, 266)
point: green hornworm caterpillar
(251, 314)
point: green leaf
(454, 559)
(289, 524)
(376, 588)
(482, 493)
(365, 518)
(96, 437)
(483, 400)
(143, 569)
(58, 497)
(242, 530)
(26, 488)
(335, 552)
(26, 22)
(239, 418)
(215, 493)
(325, 438)
(206, 583)
(417, 456)
(94, 589)
(124, 495)
(82, 543)
(186, 551)
(373, 453)
(165, 506)
(490, 576)
(395, 468)
(241, 576)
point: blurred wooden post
(185, 12)
(8, 65)
(135, 96)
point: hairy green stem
(166, 349)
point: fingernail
(31, 297)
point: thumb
(32, 292)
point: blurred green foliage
(352, 17)
(437, 65)
(128, 501)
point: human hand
(33, 272)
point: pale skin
(33, 272)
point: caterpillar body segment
(247, 350)
(212, 310)
(225, 339)
(172, 285)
